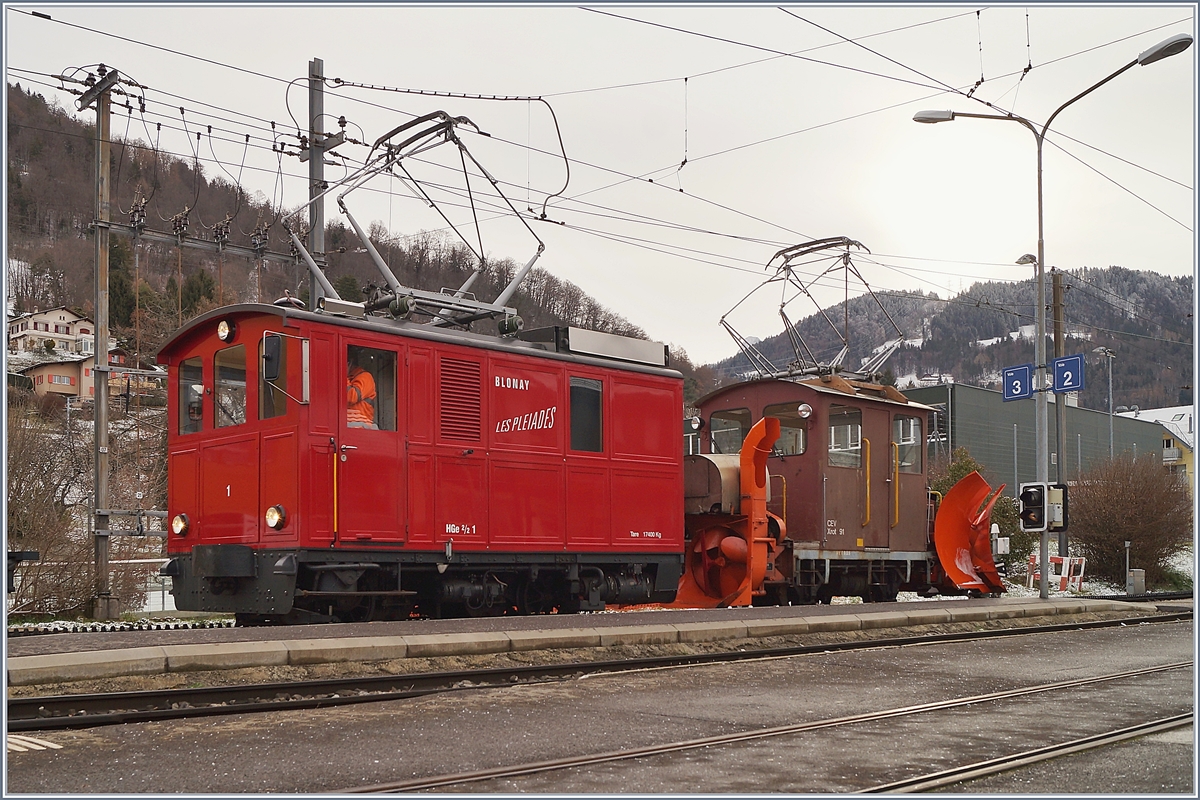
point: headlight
(805, 411)
(226, 330)
(276, 517)
(180, 524)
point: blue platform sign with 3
(1018, 382)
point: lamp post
(1109, 355)
(1168, 47)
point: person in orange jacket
(360, 398)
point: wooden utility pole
(1060, 405)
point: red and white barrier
(1066, 572)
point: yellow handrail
(782, 497)
(895, 484)
(866, 446)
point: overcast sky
(790, 132)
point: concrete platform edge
(93, 665)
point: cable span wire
(613, 237)
(517, 144)
(511, 143)
(757, 47)
(706, 73)
(1121, 186)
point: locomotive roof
(414, 330)
(830, 384)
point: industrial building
(1000, 434)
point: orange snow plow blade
(962, 535)
(727, 554)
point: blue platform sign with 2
(1068, 373)
(1018, 382)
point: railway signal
(1033, 507)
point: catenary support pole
(104, 605)
(316, 172)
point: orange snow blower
(962, 535)
(730, 552)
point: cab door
(371, 481)
(908, 496)
(876, 477)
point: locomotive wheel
(363, 612)
(888, 591)
(536, 597)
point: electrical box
(1056, 507)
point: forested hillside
(51, 201)
(1144, 317)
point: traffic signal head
(1033, 507)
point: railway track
(950, 777)
(517, 770)
(60, 712)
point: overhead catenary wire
(630, 240)
(747, 260)
(282, 80)
(214, 154)
(649, 181)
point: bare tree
(1130, 500)
(49, 489)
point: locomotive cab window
(229, 390)
(906, 435)
(845, 436)
(793, 431)
(370, 388)
(728, 430)
(191, 396)
(587, 418)
(272, 382)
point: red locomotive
(494, 472)
(850, 512)
(541, 471)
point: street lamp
(1169, 47)
(1109, 355)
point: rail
(421, 784)
(77, 711)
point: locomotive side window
(845, 436)
(793, 431)
(229, 390)
(728, 429)
(587, 421)
(370, 388)
(191, 396)
(906, 434)
(272, 384)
